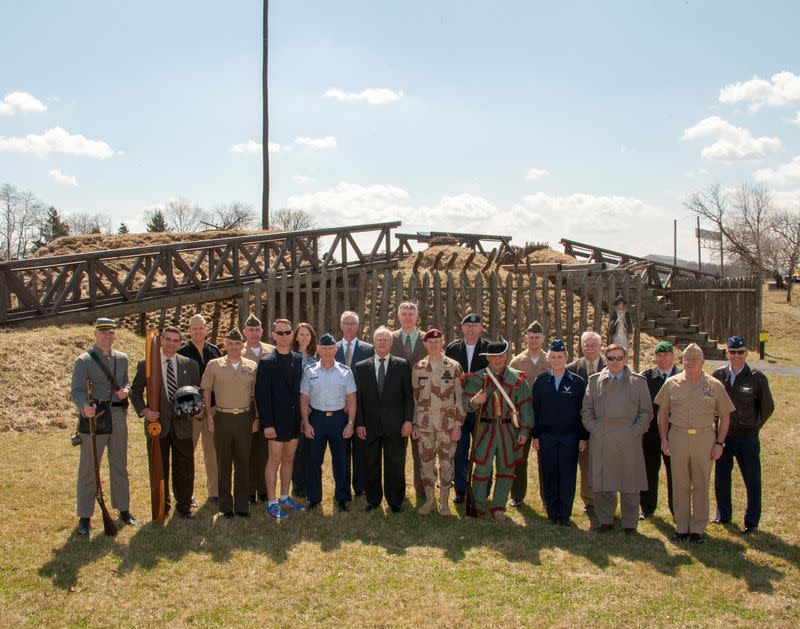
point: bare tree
(85, 223)
(183, 216)
(291, 219)
(743, 219)
(786, 229)
(235, 215)
(21, 213)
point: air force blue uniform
(557, 425)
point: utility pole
(675, 242)
(265, 128)
(699, 262)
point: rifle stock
(109, 528)
(472, 510)
(153, 389)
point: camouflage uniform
(438, 408)
(497, 436)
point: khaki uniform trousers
(690, 460)
(430, 445)
(117, 444)
(200, 432)
(605, 505)
(587, 495)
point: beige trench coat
(617, 414)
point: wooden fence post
(493, 306)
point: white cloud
(302, 179)
(796, 120)
(784, 175)
(698, 172)
(20, 103)
(253, 147)
(783, 89)
(57, 140)
(372, 96)
(789, 199)
(350, 203)
(537, 173)
(60, 178)
(328, 142)
(733, 143)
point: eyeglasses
(615, 359)
(283, 332)
(737, 351)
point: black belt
(117, 403)
(485, 420)
(327, 413)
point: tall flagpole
(265, 128)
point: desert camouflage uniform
(438, 408)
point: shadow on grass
(77, 552)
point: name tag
(447, 376)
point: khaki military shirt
(266, 350)
(523, 362)
(437, 390)
(232, 388)
(693, 405)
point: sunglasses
(615, 359)
(283, 332)
(737, 351)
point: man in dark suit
(407, 344)
(385, 410)
(591, 363)
(349, 351)
(176, 431)
(277, 396)
(651, 440)
(468, 352)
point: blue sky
(541, 120)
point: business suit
(383, 413)
(176, 432)
(277, 395)
(581, 368)
(457, 350)
(355, 447)
(258, 444)
(651, 446)
(417, 353)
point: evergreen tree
(51, 228)
(157, 222)
(123, 229)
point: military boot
(444, 501)
(430, 502)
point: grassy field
(384, 569)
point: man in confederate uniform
(502, 400)
(438, 418)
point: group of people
(471, 412)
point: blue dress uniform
(327, 391)
(558, 427)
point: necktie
(348, 355)
(381, 374)
(172, 383)
(590, 368)
(407, 346)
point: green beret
(664, 346)
(234, 335)
(252, 322)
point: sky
(540, 120)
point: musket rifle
(472, 510)
(153, 389)
(109, 528)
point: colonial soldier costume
(255, 349)
(100, 389)
(689, 403)
(176, 429)
(620, 324)
(558, 433)
(749, 391)
(327, 388)
(531, 362)
(231, 379)
(617, 411)
(438, 417)
(468, 352)
(202, 352)
(503, 398)
(651, 440)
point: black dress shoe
(371, 507)
(747, 530)
(128, 519)
(193, 503)
(358, 493)
(514, 502)
(565, 522)
(603, 528)
(629, 530)
(552, 519)
(242, 514)
(679, 537)
(300, 494)
(312, 504)
(720, 521)
(228, 514)
(342, 506)
(589, 509)
(186, 515)
(214, 500)
(645, 516)
(263, 497)
(697, 538)
(396, 508)
(460, 497)
(84, 526)
(251, 499)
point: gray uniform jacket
(86, 369)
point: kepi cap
(103, 323)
